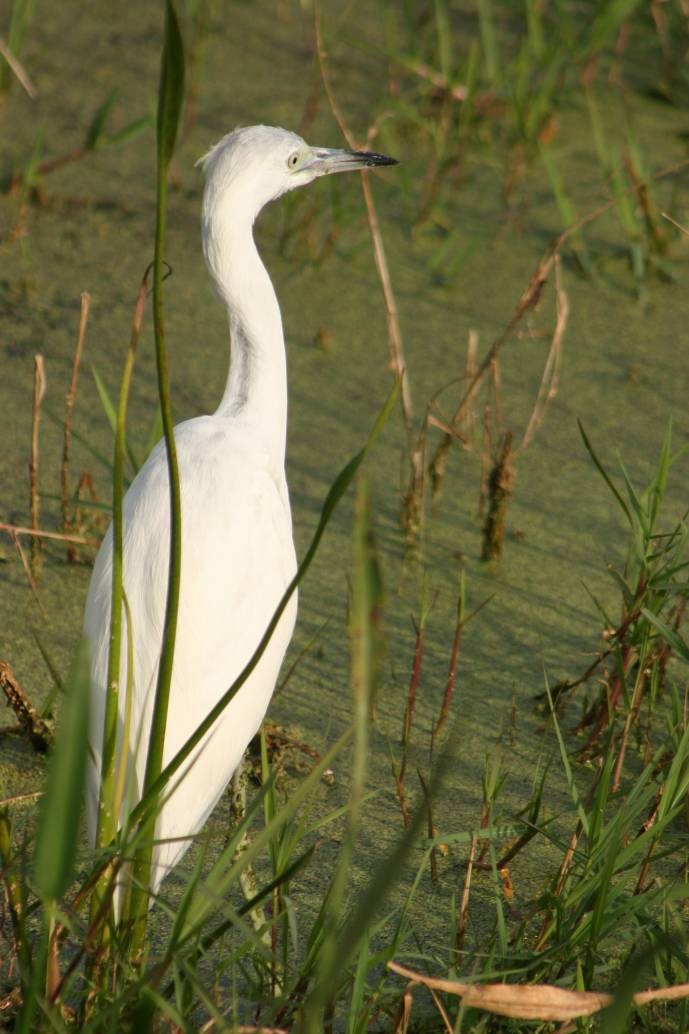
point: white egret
(237, 550)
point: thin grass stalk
(452, 671)
(18, 69)
(69, 409)
(38, 394)
(27, 571)
(464, 904)
(551, 371)
(17, 529)
(410, 707)
(171, 93)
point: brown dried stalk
(34, 504)
(464, 904)
(20, 798)
(430, 828)
(395, 348)
(39, 732)
(27, 571)
(551, 371)
(528, 300)
(17, 529)
(457, 428)
(437, 79)
(67, 524)
(534, 1001)
(500, 488)
(409, 711)
(452, 671)
(18, 69)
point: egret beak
(325, 160)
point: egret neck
(256, 390)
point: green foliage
(170, 98)
(58, 825)
(20, 19)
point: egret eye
(293, 160)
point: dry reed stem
(20, 798)
(648, 823)
(534, 1001)
(404, 1012)
(551, 371)
(34, 502)
(631, 716)
(464, 905)
(452, 670)
(496, 384)
(528, 299)
(462, 430)
(32, 724)
(468, 421)
(52, 969)
(650, 213)
(441, 1010)
(437, 79)
(69, 408)
(486, 450)
(20, 72)
(27, 571)
(17, 529)
(395, 347)
(682, 229)
(500, 489)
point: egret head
(263, 162)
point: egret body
(237, 550)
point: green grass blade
(170, 97)
(95, 130)
(58, 824)
(110, 411)
(603, 473)
(171, 92)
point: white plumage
(237, 551)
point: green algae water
(88, 226)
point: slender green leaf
(170, 96)
(110, 411)
(171, 93)
(95, 130)
(58, 824)
(603, 473)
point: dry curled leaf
(534, 1001)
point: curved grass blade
(58, 824)
(170, 97)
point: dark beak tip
(372, 158)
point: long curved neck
(256, 390)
